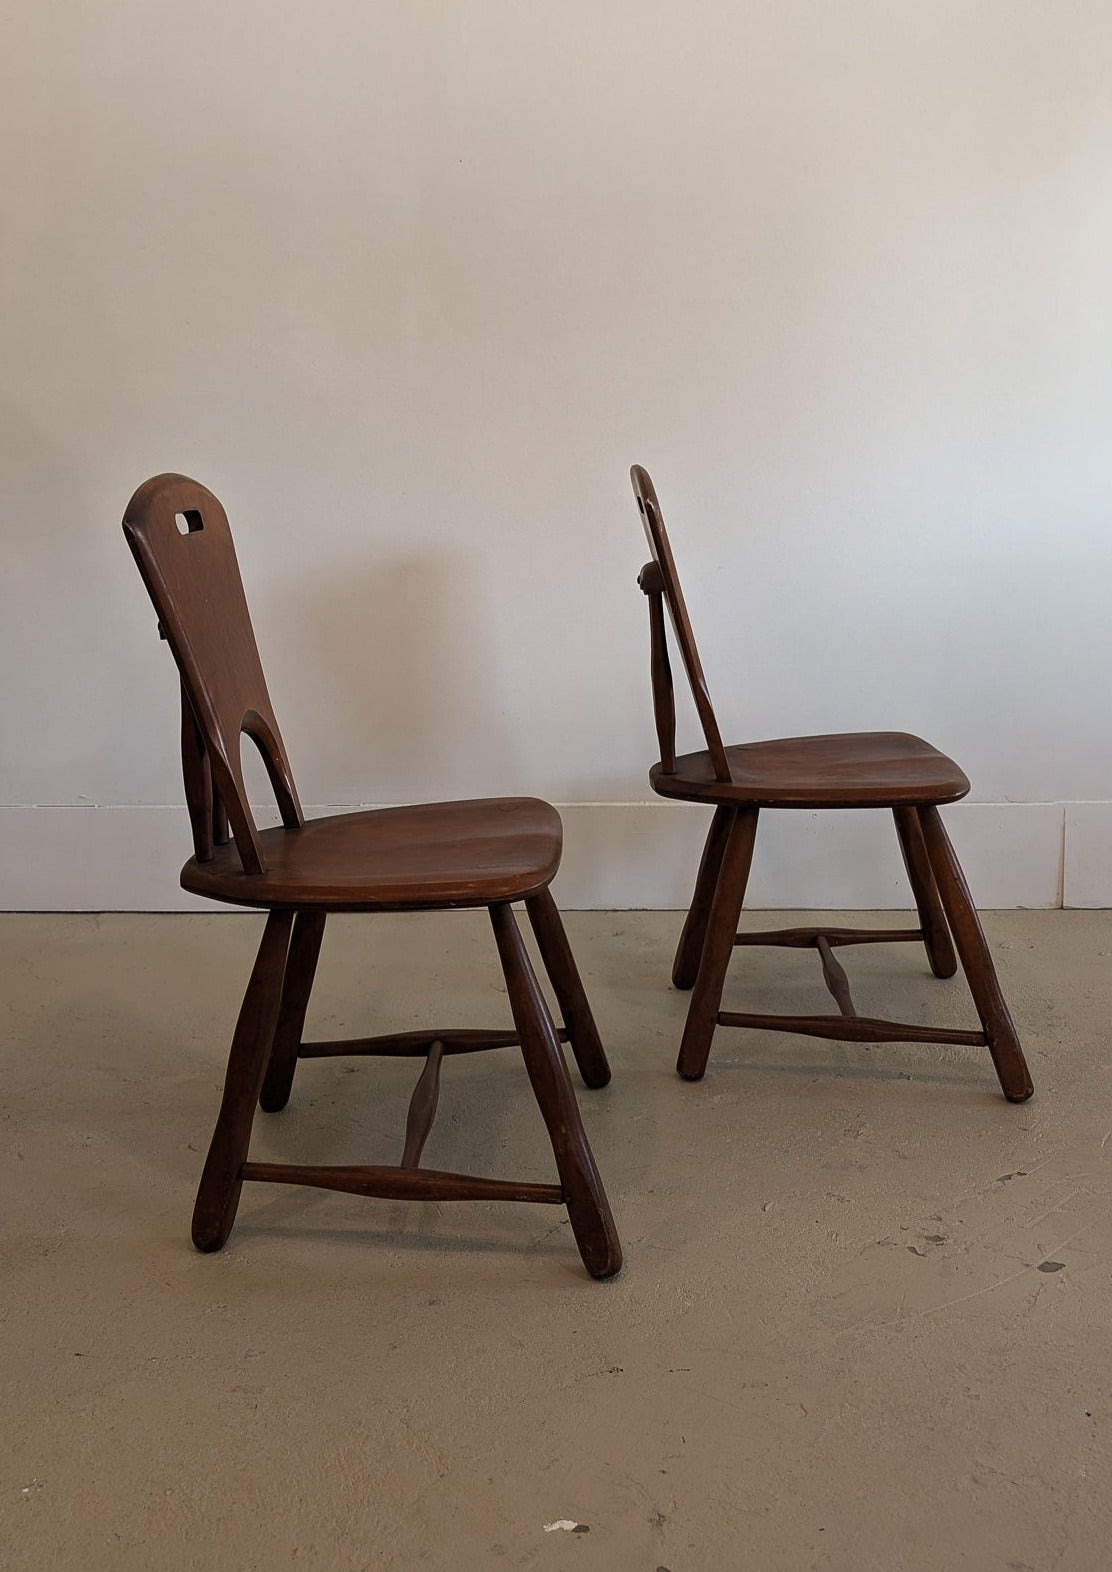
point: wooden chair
(491, 853)
(855, 770)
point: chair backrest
(179, 535)
(660, 581)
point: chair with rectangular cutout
(437, 856)
(890, 770)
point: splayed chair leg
(301, 967)
(221, 1181)
(685, 967)
(560, 965)
(729, 893)
(932, 919)
(1000, 1033)
(584, 1195)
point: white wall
(410, 284)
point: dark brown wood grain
(422, 1106)
(965, 925)
(834, 975)
(410, 1045)
(891, 770)
(587, 1205)
(932, 919)
(194, 581)
(853, 1029)
(199, 800)
(301, 969)
(651, 581)
(218, 1195)
(806, 938)
(869, 769)
(582, 1033)
(657, 536)
(403, 1184)
(725, 909)
(430, 857)
(685, 967)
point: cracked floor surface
(863, 1322)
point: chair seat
(865, 769)
(437, 854)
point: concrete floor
(863, 1322)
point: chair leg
(932, 919)
(685, 967)
(1000, 1033)
(721, 930)
(563, 973)
(221, 1181)
(584, 1195)
(301, 967)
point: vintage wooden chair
(855, 770)
(491, 853)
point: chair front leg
(685, 967)
(221, 1181)
(932, 919)
(563, 973)
(1000, 1033)
(301, 968)
(718, 944)
(584, 1195)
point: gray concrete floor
(863, 1321)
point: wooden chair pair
(889, 770)
(495, 853)
(490, 853)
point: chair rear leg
(301, 968)
(718, 945)
(563, 973)
(1000, 1033)
(584, 1195)
(218, 1196)
(932, 919)
(685, 967)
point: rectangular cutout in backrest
(188, 522)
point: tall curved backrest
(664, 582)
(179, 535)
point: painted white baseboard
(1087, 855)
(616, 855)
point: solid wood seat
(491, 852)
(890, 770)
(434, 855)
(864, 769)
